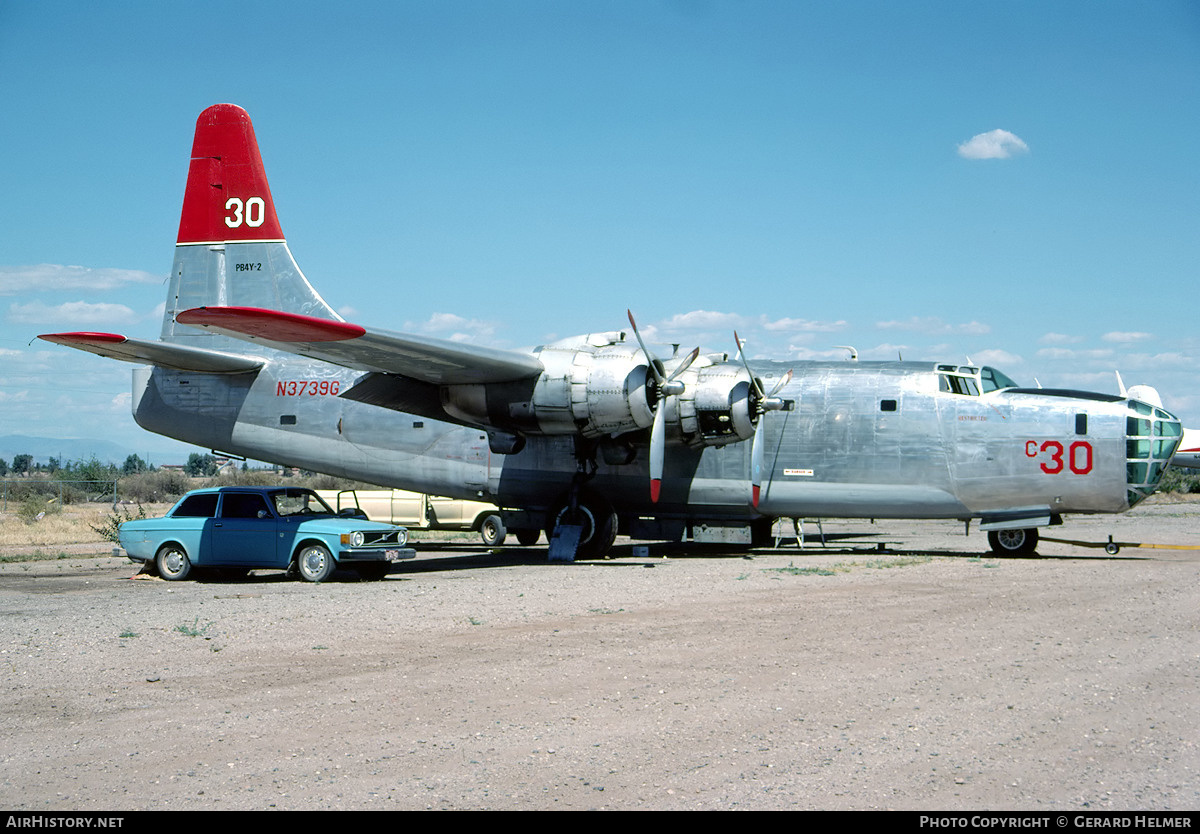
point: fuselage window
(1081, 424)
(887, 405)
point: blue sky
(1015, 182)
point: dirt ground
(905, 669)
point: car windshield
(299, 502)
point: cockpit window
(993, 380)
(971, 381)
(956, 384)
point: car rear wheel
(315, 563)
(492, 531)
(172, 562)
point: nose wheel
(1019, 542)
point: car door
(244, 531)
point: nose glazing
(1151, 437)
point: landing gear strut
(580, 506)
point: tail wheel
(528, 536)
(597, 518)
(1022, 542)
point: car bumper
(377, 554)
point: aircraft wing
(179, 357)
(435, 361)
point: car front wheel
(172, 562)
(315, 563)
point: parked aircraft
(1188, 453)
(597, 431)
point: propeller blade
(650, 360)
(756, 467)
(746, 364)
(671, 386)
(658, 442)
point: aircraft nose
(1151, 437)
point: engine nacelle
(716, 408)
(595, 385)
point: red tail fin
(227, 196)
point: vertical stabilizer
(230, 250)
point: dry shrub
(163, 486)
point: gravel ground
(908, 669)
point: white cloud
(995, 144)
(1067, 354)
(998, 358)
(22, 279)
(1125, 338)
(702, 319)
(71, 314)
(804, 325)
(1060, 339)
(455, 328)
(933, 324)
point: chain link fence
(17, 490)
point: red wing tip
(275, 325)
(755, 489)
(655, 486)
(82, 338)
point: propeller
(763, 402)
(664, 386)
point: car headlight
(401, 537)
(356, 539)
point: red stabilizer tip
(271, 324)
(655, 486)
(82, 338)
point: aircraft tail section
(230, 250)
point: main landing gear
(591, 512)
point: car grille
(384, 538)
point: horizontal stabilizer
(435, 361)
(178, 357)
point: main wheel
(315, 563)
(492, 531)
(598, 520)
(172, 562)
(1021, 542)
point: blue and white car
(241, 528)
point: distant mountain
(81, 449)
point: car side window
(244, 505)
(197, 506)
